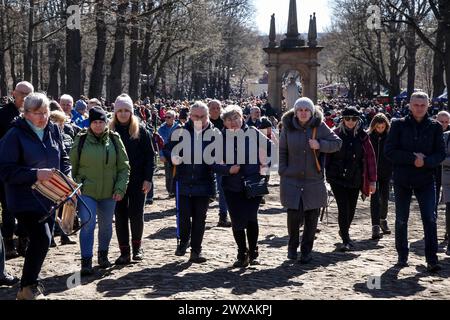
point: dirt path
(331, 275)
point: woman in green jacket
(100, 163)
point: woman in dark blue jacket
(244, 151)
(28, 153)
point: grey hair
(172, 113)
(66, 97)
(230, 110)
(254, 108)
(444, 113)
(35, 101)
(420, 95)
(200, 105)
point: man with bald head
(7, 114)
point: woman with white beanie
(302, 184)
(130, 210)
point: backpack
(83, 140)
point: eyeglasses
(354, 119)
(39, 114)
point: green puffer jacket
(99, 169)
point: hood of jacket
(290, 121)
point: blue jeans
(104, 210)
(426, 197)
(223, 209)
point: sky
(305, 8)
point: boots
(376, 233)
(103, 261)
(384, 227)
(138, 253)
(242, 260)
(253, 256)
(30, 292)
(197, 257)
(125, 257)
(10, 249)
(86, 267)
(181, 249)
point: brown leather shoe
(32, 292)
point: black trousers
(346, 199)
(191, 220)
(8, 220)
(130, 212)
(295, 219)
(252, 238)
(40, 235)
(379, 202)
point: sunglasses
(354, 119)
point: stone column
(274, 89)
(313, 83)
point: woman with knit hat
(350, 170)
(100, 163)
(130, 210)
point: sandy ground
(331, 275)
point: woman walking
(351, 169)
(100, 163)
(139, 148)
(302, 184)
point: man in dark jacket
(415, 145)
(7, 114)
(194, 180)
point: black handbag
(255, 186)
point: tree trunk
(54, 59)
(115, 76)
(438, 63)
(411, 59)
(394, 80)
(73, 59)
(3, 84)
(97, 74)
(35, 67)
(28, 54)
(62, 76)
(134, 52)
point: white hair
(200, 105)
(215, 101)
(231, 110)
(444, 113)
(35, 101)
(66, 97)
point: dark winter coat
(384, 165)
(407, 137)
(299, 176)
(22, 153)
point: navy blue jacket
(193, 180)
(22, 153)
(407, 137)
(248, 167)
(7, 114)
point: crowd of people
(360, 147)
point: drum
(63, 192)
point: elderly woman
(130, 211)
(100, 163)
(351, 169)
(378, 131)
(246, 161)
(28, 153)
(302, 185)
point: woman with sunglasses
(350, 170)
